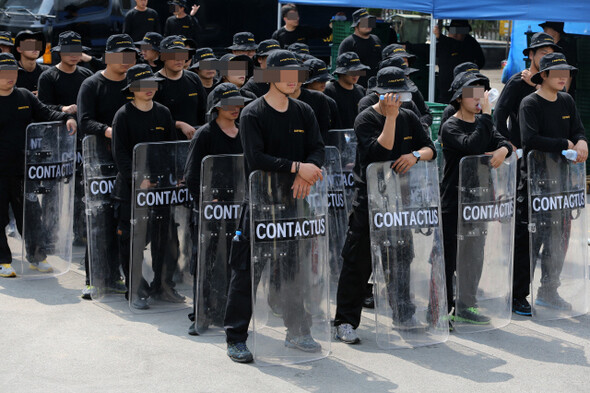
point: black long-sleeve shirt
(334, 114)
(409, 136)
(130, 127)
(17, 111)
(300, 34)
(272, 140)
(58, 88)
(257, 88)
(321, 109)
(418, 99)
(137, 23)
(28, 80)
(460, 139)
(508, 105)
(368, 50)
(209, 140)
(347, 101)
(188, 26)
(185, 97)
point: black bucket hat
(120, 43)
(391, 80)
(202, 54)
(27, 35)
(552, 61)
(243, 41)
(70, 41)
(181, 3)
(265, 47)
(8, 62)
(318, 71)
(222, 93)
(141, 72)
(231, 57)
(282, 58)
(460, 23)
(6, 38)
(395, 50)
(397, 61)
(465, 79)
(539, 40)
(299, 47)
(557, 26)
(172, 43)
(358, 15)
(151, 38)
(465, 67)
(349, 62)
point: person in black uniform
(257, 84)
(397, 50)
(568, 48)
(99, 98)
(204, 69)
(301, 50)
(462, 135)
(456, 48)
(243, 43)
(28, 47)
(366, 45)
(6, 43)
(450, 109)
(141, 20)
(237, 69)
(182, 24)
(219, 136)
(384, 131)
(150, 49)
(267, 132)
(181, 91)
(320, 105)
(549, 122)
(318, 76)
(345, 91)
(292, 32)
(139, 121)
(19, 108)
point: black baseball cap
(465, 67)
(265, 47)
(181, 3)
(243, 41)
(557, 26)
(358, 15)
(8, 62)
(399, 62)
(395, 50)
(465, 79)
(27, 35)
(151, 38)
(282, 58)
(391, 80)
(141, 72)
(539, 40)
(225, 94)
(202, 54)
(120, 43)
(318, 71)
(6, 38)
(70, 41)
(349, 62)
(552, 61)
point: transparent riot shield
(100, 172)
(160, 237)
(485, 244)
(407, 254)
(48, 200)
(337, 216)
(223, 185)
(345, 141)
(440, 159)
(290, 271)
(558, 236)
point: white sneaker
(43, 266)
(347, 334)
(6, 270)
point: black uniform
(569, 50)
(368, 50)
(17, 111)
(461, 139)
(28, 80)
(137, 23)
(185, 97)
(321, 109)
(271, 144)
(334, 114)
(347, 101)
(356, 268)
(188, 26)
(257, 88)
(545, 126)
(300, 34)
(451, 53)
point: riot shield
(485, 244)
(48, 200)
(337, 216)
(557, 236)
(100, 172)
(440, 159)
(223, 185)
(160, 237)
(345, 141)
(290, 272)
(407, 255)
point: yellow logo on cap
(192, 94)
(230, 91)
(142, 73)
(353, 60)
(299, 131)
(395, 80)
(123, 42)
(288, 59)
(399, 50)
(558, 61)
(251, 39)
(207, 55)
(407, 138)
(76, 40)
(273, 46)
(160, 128)
(472, 69)
(364, 13)
(565, 117)
(5, 60)
(178, 42)
(322, 69)
(23, 107)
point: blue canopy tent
(564, 10)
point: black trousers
(357, 268)
(288, 278)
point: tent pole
(432, 63)
(279, 15)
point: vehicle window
(14, 5)
(69, 9)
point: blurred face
(141, 4)
(178, 10)
(237, 77)
(229, 112)
(144, 90)
(174, 61)
(249, 53)
(471, 97)
(70, 58)
(553, 33)
(319, 86)
(458, 37)
(120, 62)
(292, 19)
(262, 62)
(4, 48)
(30, 49)
(288, 81)
(7, 79)
(149, 54)
(555, 79)
(542, 51)
(364, 31)
(349, 79)
(206, 74)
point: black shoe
(140, 303)
(471, 315)
(192, 330)
(521, 307)
(369, 302)
(239, 352)
(551, 299)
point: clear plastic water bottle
(570, 154)
(519, 153)
(493, 95)
(237, 237)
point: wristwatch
(417, 155)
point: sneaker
(6, 270)
(117, 287)
(347, 334)
(304, 343)
(552, 300)
(170, 295)
(192, 330)
(43, 266)
(239, 352)
(409, 324)
(140, 303)
(471, 315)
(369, 302)
(521, 307)
(88, 291)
